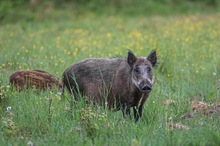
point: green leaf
(211, 97)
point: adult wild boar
(118, 83)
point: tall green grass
(188, 49)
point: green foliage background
(18, 10)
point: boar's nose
(146, 88)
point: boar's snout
(145, 86)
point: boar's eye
(148, 69)
(137, 70)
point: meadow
(188, 71)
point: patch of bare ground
(168, 102)
(205, 108)
(178, 126)
(198, 108)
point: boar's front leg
(137, 112)
(126, 111)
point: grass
(188, 47)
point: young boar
(33, 79)
(117, 83)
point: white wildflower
(8, 108)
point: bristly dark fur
(33, 79)
(118, 83)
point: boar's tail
(63, 84)
(63, 89)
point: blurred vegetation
(37, 10)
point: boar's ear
(131, 58)
(152, 57)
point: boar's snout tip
(146, 88)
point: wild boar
(33, 79)
(118, 83)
